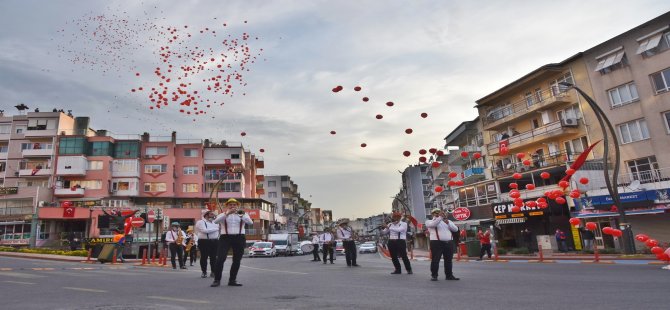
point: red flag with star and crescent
(68, 209)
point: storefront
(472, 219)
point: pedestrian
(561, 240)
(175, 239)
(232, 236)
(191, 247)
(397, 244)
(208, 235)
(327, 243)
(315, 251)
(345, 233)
(588, 237)
(527, 237)
(441, 246)
(485, 243)
(119, 243)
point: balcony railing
(631, 181)
(536, 101)
(537, 162)
(69, 192)
(533, 136)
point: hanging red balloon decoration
(513, 185)
(657, 250)
(453, 174)
(530, 187)
(570, 171)
(464, 154)
(651, 243)
(516, 209)
(422, 159)
(439, 153)
(574, 221)
(422, 152)
(560, 200)
(432, 150)
(435, 164)
(545, 175)
(591, 226)
(460, 183)
(424, 115)
(584, 181)
(363, 145)
(406, 153)
(520, 155)
(641, 237)
(517, 176)
(379, 116)
(575, 194)
(409, 131)
(564, 184)
(438, 189)
(608, 230)
(526, 162)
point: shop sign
(536, 213)
(98, 240)
(85, 203)
(590, 202)
(506, 208)
(8, 190)
(461, 214)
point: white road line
(19, 282)
(69, 274)
(195, 301)
(280, 271)
(20, 275)
(113, 272)
(84, 289)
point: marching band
(441, 243)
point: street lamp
(611, 180)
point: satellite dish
(635, 185)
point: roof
(460, 129)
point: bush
(45, 251)
(502, 251)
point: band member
(176, 239)
(315, 243)
(232, 236)
(191, 247)
(328, 242)
(441, 243)
(208, 234)
(345, 233)
(397, 245)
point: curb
(10, 254)
(605, 262)
(537, 261)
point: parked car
(339, 248)
(368, 247)
(248, 245)
(263, 249)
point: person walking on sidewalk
(485, 242)
(119, 243)
(397, 245)
(346, 233)
(315, 243)
(176, 239)
(588, 237)
(208, 234)
(232, 236)
(561, 240)
(441, 244)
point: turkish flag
(503, 144)
(127, 227)
(68, 211)
(227, 161)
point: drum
(307, 248)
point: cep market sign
(506, 208)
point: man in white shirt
(441, 243)
(208, 237)
(397, 244)
(327, 241)
(232, 236)
(315, 243)
(346, 233)
(176, 240)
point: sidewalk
(62, 258)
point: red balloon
(460, 183)
(657, 250)
(337, 89)
(408, 130)
(520, 155)
(591, 226)
(608, 230)
(390, 104)
(440, 153)
(542, 205)
(541, 199)
(363, 145)
(243, 134)
(560, 200)
(564, 184)
(406, 153)
(262, 150)
(518, 202)
(423, 159)
(531, 204)
(438, 189)
(451, 183)
(545, 175)
(570, 171)
(366, 99)
(516, 209)
(641, 237)
(332, 132)
(514, 194)
(379, 116)
(504, 151)
(422, 152)
(453, 174)
(651, 243)
(575, 194)
(435, 164)
(464, 154)
(357, 88)
(526, 162)
(574, 221)
(477, 155)
(530, 187)
(513, 185)
(617, 233)
(424, 115)
(584, 181)
(432, 150)
(517, 175)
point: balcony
(125, 193)
(260, 163)
(5, 136)
(71, 165)
(260, 178)
(126, 168)
(533, 136)
(35, 172)
(40, 132)
(500, 117)
(69, 192)
(455, 158)
(474, 174)
(44, 151)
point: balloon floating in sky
(332, 132)
(337, 89)
(436, 164)
(390, 104)
(422, 159)
(406, 153)
(243, 134)
(409, 131)
(363, 145)
(424, 115)
(357, 88)
(366, 99)
(422, 152)
(379, 116)
(262, 150)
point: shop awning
(471, 222)
(611, 214)
(515, 220)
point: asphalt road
(297, 283)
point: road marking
(280, 271)
(116, 273)
(19, 282)
(5, 269)
(195, 301)
(20, 275)
(42, 269)
(69, 274)
(84, 289)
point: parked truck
(286, 243)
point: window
(94, 165)
(21, 128)
(633, 131)
(36, 146)
(272, 183)
(155, 187)
(235, 156)
(126, 149)
(189, 188)
(190, 170)
(666, 118)
(101, 149)
(190, 152)
(661, 81)
(569, 113)
(225, 187)
(499, 112)
(5, 129)
(85, 184)
(219, 174)
(272, 194)
(611, 60)
(155, 168)
(653, 43)
(72, 146)
(535, 123)
(42, 124)
(125, 165)
(156, 150)
(124, 186)
(623, 95)
(556, 88)
(644, 169)
(576, 146)
(529, 99)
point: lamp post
(611, 180)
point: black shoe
(324, 263)
(173, 267)
(204, 275)
(211, 275)
(215, 284)
(191, 265)
(409, 272)
(452, 278)
(433, 278)
(396, 272)
(182, 267)
(332, 263)
(348, 265)
(234, 284)
(479, 259)
(356, 265)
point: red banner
(68, 211)
(503, 144)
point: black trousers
(350, 252)
(226, 242)
(328, 250)
(193, 254)
(439, 250)
(207, 250)
(176, 251)
(398, 247)
(485, 248)
(315, 252)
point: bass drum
(307, 248)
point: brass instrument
(180, 238)
(190, 244)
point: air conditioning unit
(570, 122)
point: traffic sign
(137, 222)
(151, 216)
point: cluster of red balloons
(652, 244)
(612, 232)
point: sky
(436, 57)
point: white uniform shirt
(315, 240)
(172, 236)
(207, 229)
(233, 224)
(325, 237)
(397, 231)
(439, 230)
(344, 233)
